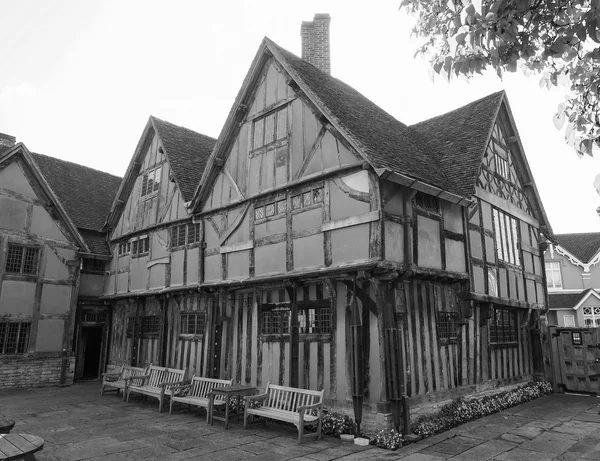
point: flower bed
(460, 411)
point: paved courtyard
(77, 423)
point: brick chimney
(6, 140)
(315, 42)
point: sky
(79, 79)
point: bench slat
(282, 403)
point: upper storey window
(427, 202)
(270, 128)
(498, 172)
(151, 181)
(507, 237)
(553, 278)
(22, 259)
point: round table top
(15, 446)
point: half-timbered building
(151, 286)
(52, 254)
(327, 245)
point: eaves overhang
(421, 186)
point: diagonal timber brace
(361, 293)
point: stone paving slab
(79, 424)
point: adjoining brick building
(573, 279)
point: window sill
(503, 345)
(18, 276)
(149, 196)
(303, 337)
(140, 255)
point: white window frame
(571, 322)
(591, 316)
(551, 281)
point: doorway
(91, 347)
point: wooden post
(357, 361)
(135, 334)
(294, 336)
(163, 332)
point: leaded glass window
(591, 317)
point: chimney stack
(315, 42)
(7, 140)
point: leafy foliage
(558, 39)
(460, 411)
(389, 439)
(335, 424)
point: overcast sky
(79, 79)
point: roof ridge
(181, 127)
(453, 111)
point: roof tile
(387, 142)
(85, 193)
(584, 246)
(187, 152)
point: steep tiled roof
(187, 152)
(96, 242)
(583, 246)
(460, 138)
(387, 142)
(564, 300)
(85, 193)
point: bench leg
(301, 427)
(319, 436)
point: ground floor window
(192, 323)
(591, 316)
(310, 320)
(503, 326)
(14, 337)
(448, 326)
(149, 326)
(276, 321)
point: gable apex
(19, 150)
(185, 150)
(383, 142)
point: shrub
(460, 411)
(388, 438)
(335, 424)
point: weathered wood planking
(433, 365)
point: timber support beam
(362, 294)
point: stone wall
(30, 370)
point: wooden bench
(198, 392)
(296, 406)
(155, 383)
(117, 381)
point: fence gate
(576, 357)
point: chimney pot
(315, 42)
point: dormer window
(151, 181)
(270, 128)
